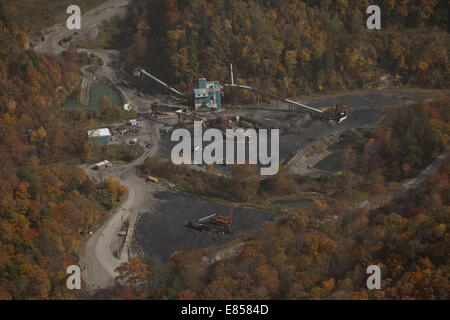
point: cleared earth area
(163, 230)
(365, 109)
(297, 130)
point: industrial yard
(301, 125)
(223, 151)
(297, 128)
(165, 228)
(159, 218)
(165, 221)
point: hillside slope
(291, 47)
(47, 204)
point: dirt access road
(90, 20)
(97, 261)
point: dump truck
(224, 220)
(152, 179)
(219, 224)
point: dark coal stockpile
(165, 229)
(298, 129)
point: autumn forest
(294, 48)
(291, 48)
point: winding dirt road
(89, 20)
(98, 261)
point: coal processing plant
(208, 96)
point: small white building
(101, 165)
(134, 123)
(101, 135)
(127, 107)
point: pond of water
(330, 163)
(98, 90)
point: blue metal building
(208, 93)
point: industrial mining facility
(163, 220)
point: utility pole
(232, 75)
(232, 85)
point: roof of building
(102, 132)
(103, 163)
(204, 84)
(212, 84)
(200, 91)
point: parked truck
(152, 179)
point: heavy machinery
(198, 226)
(217, 224)
(340, 112)
(224, 221)
(339, 115)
